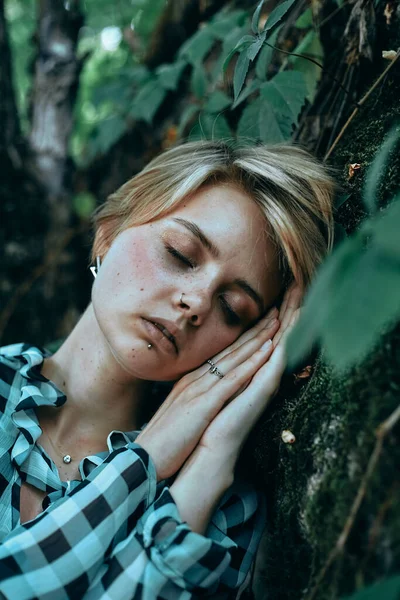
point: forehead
(236, 225)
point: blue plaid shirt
(117, 533)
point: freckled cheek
(144, 266)
(213, 342)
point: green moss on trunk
(311, 484)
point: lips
(165, 331)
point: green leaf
(217, 101)
(265, 56)
(275, 124)
(253, 86)
(256, 17)
(210, 127)
(316, 309)
(255, 47)
(241, 68)
(283, 97)
(223, 24)
(291, 87)
(243, 43)
(187, 115)
(389, 589)
(377, 169)
(311, 45)
(387, 230)
(198, 81)
(109, 131)
(84, 204)
(114, 92)
(169, 75)
(197, 47)
(277, 14)
(359, 313)
(147, 101)
(339, 234)
(248, 127)
(305, 20)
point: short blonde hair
(292, 189)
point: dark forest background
(91, 90)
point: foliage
(116, 88)
(347, 319)
(387, 590)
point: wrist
(197, 501)
(217, 467)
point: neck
(101, 395)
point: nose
(195, 305)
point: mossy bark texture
(312, 483)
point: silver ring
(214, 369)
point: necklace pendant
(67, 459)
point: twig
(359, 104)
(381, 432)
(329, 17)
(377, 524)
(50, 260)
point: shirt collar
(38, 390)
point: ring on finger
(214, 369)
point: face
(188, 283)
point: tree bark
(312, 484)
(38, 292)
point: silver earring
(180, 299)
(95, 269)
(149, 346)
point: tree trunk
(312, 484)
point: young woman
(194, 255)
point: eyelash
(231, 317)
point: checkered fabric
(116, 534)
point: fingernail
(267, 345)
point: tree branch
(55, 86)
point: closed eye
(231, 317)
(181, 257)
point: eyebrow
(201, 236)
(212, 248)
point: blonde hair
(292, 189)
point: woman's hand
(225, 436)
(176, 428)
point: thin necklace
(67, 458)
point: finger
(281, 336)
(228, 386)
(245, 408)
(270, 375)
(266, 327)
(292, 301)
(246, 350)
(251, 333)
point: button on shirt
(116, 534)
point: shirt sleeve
(58, 554)
(163, 558)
